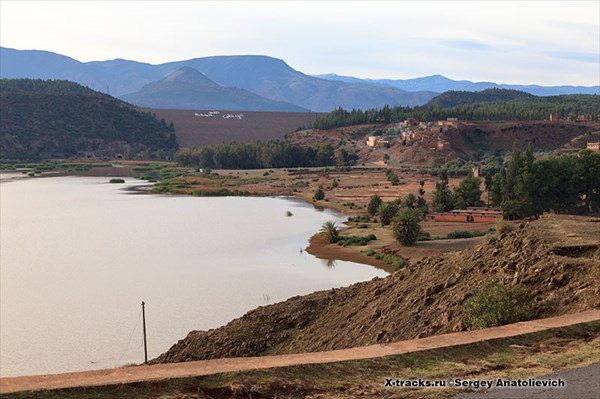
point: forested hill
(455, 98)
(42, 119)
(507, 105)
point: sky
(518, 42)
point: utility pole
(144, 323)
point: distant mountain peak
(189, 75)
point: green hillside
(497, 104)
(42, 119)
(455, 98)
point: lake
(79, 255)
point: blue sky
(537, 42)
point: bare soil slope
(194, 130)
(554, 257)
(488, 137)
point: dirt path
(208, 367)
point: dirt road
(216, 366)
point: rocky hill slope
(555, 258)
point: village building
(410, 122)
(474, 214)
(408, 136)
(372, 141)
(594, 146)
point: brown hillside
(197, 131)
(473, 137)
(553, 257)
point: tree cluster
(467, 193)
(568, 183)
(257, 155)
(503, 107)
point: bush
(356, 240)
(465, 234)
(319, 195)
(426, 236)
(219, 193)
(494, 304)
(116, 180)
(406, 226)
(503, 226)
(395, 261)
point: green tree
(330, 231)
(468, 193)
(374, 204)
(406, 226)
(387, 211)
(410, 201)
(442, 196)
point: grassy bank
(518, 357)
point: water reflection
(329, 263)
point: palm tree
(406, 226)
(331, 232)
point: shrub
(288, 213)
(426, 236)
(319, 195)
(395, 261)
(465, 234)
(116, 180)
(356, 240)
(219, 193)
(503, 226)
(495, 304)
(406, 226)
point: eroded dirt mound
(554, 257)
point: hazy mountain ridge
(262, 75)
(187, 88)
(440, 84)
(265, 76)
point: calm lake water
(78, 255)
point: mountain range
(242, 82)
(441, 84)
